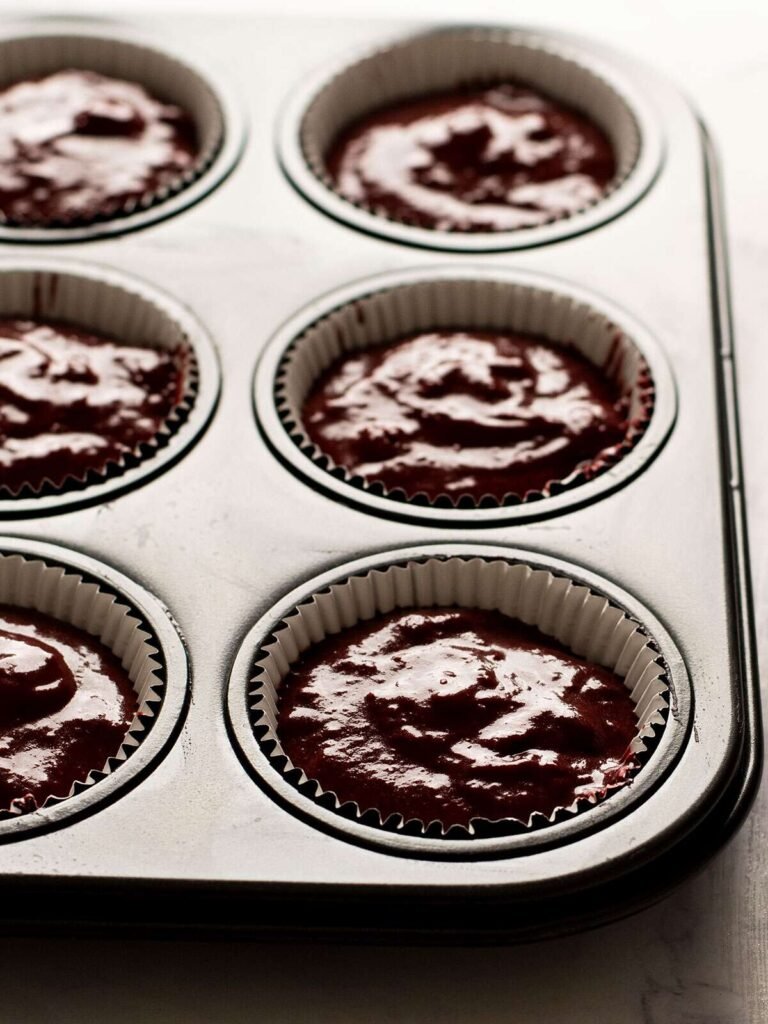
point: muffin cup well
(133, 626)
(590, 617)
(449, 59)
(384, 309)
(38, 50)
(125, 310)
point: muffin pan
(246, 526)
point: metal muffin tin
(225, 535)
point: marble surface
(699, 957)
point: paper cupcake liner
(36, 54)
(29, 582)
(100, 304)
(485, 303)
(451, 59)
(583, 620)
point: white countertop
(700, 956)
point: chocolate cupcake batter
(77, 145)
(476, 159)
(71, 401)
(466, 413)
(65, 707)
(452, 714)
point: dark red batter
(452, 714)
(72, 401)
(479, 159)
(65, 707)
(77, 145)
(462, 413)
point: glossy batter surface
(72, 401)
(462, 413)
(77, 145)
(65, 707)
(452, 714)
(485, 159)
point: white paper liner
(103, 307)
(27, 582)
(165, 78)
(444, 303)
(450, 59)
(582, 620)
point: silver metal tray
(224, 533)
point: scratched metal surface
(224, 533)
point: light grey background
(700, 956)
